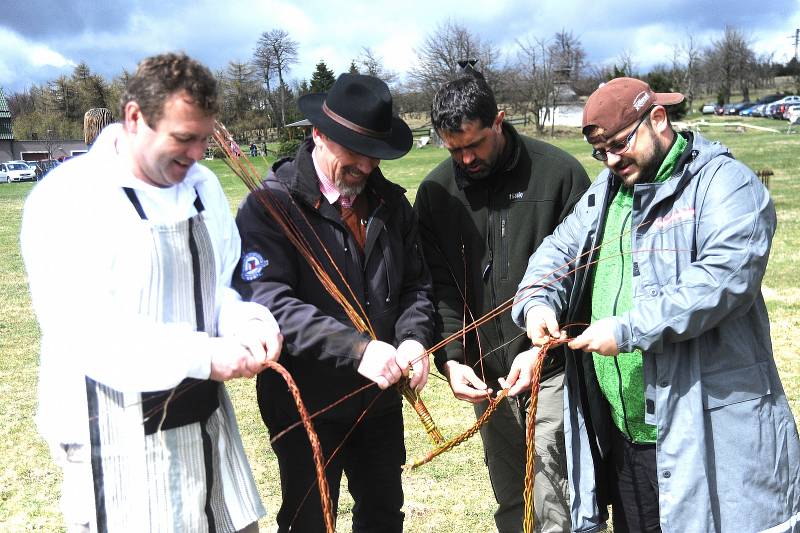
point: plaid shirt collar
(328, 188)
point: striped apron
(171, 460)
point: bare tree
(543, 75)
(567, 55)
(533, 80)
(438, 57)
(274, 55)
(729, 61)
(686, 64)
(373, 66)
(627, 66)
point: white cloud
(27, 62)
(337, 31)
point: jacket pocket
(504, 259)
(734, 386)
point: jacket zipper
(492, 291)
(504, 265)
(616, 302)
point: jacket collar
(505, 163)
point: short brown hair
(163, 75)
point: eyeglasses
(619, 147)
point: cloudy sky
(41, 39)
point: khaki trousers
(505, 455)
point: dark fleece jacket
(390, 281)
(477, 236)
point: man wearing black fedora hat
(334, 192)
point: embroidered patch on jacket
(252, 266)
(674, 217)
(516, 195)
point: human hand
(541, 325)
(411, 352)
(521, 372)
(262, 338)
(379, 364)
(231, 359)
(599, 338)
(465, 384)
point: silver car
(18, 171)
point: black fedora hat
(357, 113)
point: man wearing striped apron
(129, 251)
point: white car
(3, 177)
(18, 171)
(793, 114)
(776, 108)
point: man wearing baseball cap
(364, 233)
(676, 414)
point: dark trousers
(636, 505)
(372, 457)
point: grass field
(452, 493)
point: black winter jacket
(322, 349)
(483, 232)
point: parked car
(762, 103)
(46, 165)
(748, 111)
(31, 165)
(18, 171)
(736, 109)
(711, 109)
(792, 114)
(776, 108)
(3, 176)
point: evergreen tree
(322, 79)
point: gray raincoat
(727, 452)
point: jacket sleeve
(307, 331)
(416, 308)
(735, 223)
(447, 296)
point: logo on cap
(640, 100)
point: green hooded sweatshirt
(620, 377)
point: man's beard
(484, 172)
(648, 169)
(350, 189)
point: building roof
(5, 119)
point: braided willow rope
(425, 417)
(530, 433)
(455, 441)
(319, 460)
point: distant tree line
(260, 94)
